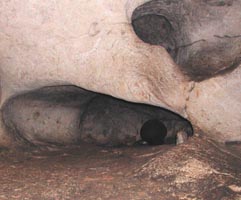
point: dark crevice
(218, 2)
(227, 36)
(190, 44)
(68, 115)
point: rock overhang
(102, 54)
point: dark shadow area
(172, 25)
(156, 30)
(68, 115)
(71, 136)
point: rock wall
(92, 45)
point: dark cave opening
(68, 115)
(154, 29)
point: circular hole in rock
(154, 29)
(68, 115)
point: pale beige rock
(42, 45)
(91, 44)
(215, 106)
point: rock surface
(200, 169)
(92, 45)
(68, 115)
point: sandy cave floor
(199, 169)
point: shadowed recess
(155, 30)
(65, 115)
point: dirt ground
(199, 169)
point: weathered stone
(49, 43)
(203, 37)
(69, 115)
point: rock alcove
(68, 115)
(180, 55)
(201, 54)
